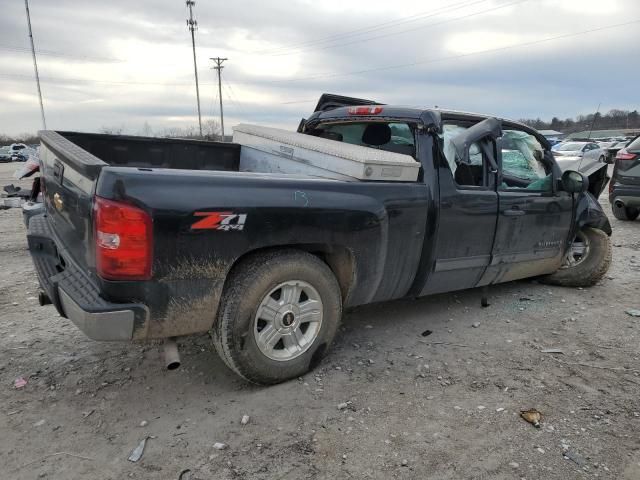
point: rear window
(395, 137)
(635, 144)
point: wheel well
(338, 258)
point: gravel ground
(441, 406)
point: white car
(579, 156)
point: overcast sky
(124, 63)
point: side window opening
(523, 165)
(470, 174)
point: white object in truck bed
(266, 149)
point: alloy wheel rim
(578, 251)
(288, 320)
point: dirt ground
(442, 406)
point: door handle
(514, 212)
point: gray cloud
(152, 79)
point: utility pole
(218, 61)
(193, 26)
(35, 64)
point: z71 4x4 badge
(225, 221)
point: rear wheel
(625, 213)
(586, 261)
(278, 315)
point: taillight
(364, 110)
(123, 239)
(624, 155)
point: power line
(192, 24)
(453, 57)
(380, 26)
(385, 35)
(234, 98)
(341, 74)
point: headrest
(376, 134)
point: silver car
(579, 156)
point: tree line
(210, 131)
(612, 120)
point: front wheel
(278, 315)
(586, 261)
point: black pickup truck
(147, 238)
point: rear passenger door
(534, 218)
(468, 206)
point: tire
(625, 213)
(272, 279)
(591, 267)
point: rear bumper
(73, 293)
(629, 195)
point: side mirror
(574, 182)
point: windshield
(570, 147)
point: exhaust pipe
(171, 355)
(619, 203)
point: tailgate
(70, 174)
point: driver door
(534, 218)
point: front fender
(589, 213)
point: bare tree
(114, 130)
(146, 130)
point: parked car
(611, 149)
(17, 147)
(624, 188)
(147, 238)
(5, 155)
(579, 150)
(586, 158)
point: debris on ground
(137, 452)
(574, 457)
(144, 423)
(20, 382)
(245, 419)
(633, 312)
(13, 191)
(475, 324)
(552, 350)
(533, 416)
(220, 446)
(426, 333)
(185, 474)
(343, 405)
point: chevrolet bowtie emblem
(57, 202)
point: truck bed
(88, 152)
